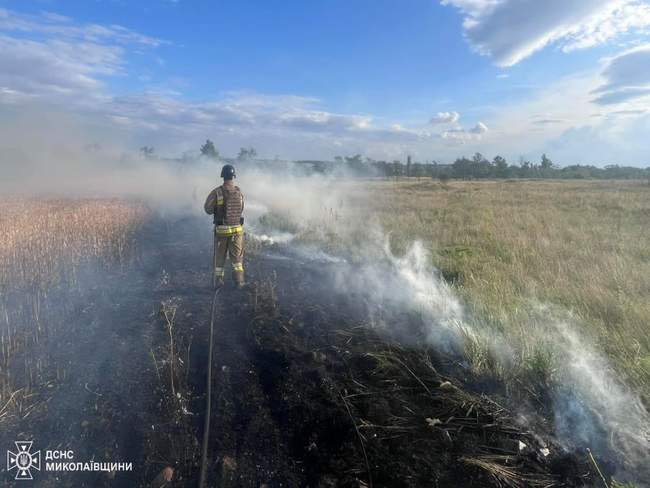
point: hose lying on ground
(208, 399)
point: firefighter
(226, 203)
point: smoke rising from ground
(51, 156)
(592, 405)
(594, 398)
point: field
(552, 279)
(532, 262)
(104, 310)
(507, 247)
(44, 245)
(43, 239)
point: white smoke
(595, 397)
(593, 405)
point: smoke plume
(51, 155)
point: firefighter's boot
(217, 278)
(238, 275)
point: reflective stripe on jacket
(228, 230)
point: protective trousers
(233, 246)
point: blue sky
(436, 79)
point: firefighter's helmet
(228, 172)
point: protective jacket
(226, 203)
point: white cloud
(479, 128)
(547, 121)
(52, 24)
(626, 77)
(614, 141)
(457, 133)
(620, 18)
(511, 30)
(247, 113)
(49, 57)
(51, 62)
(445, 118)
(621, 95)
(319, 120)
(57, 69)
(466, 135)
(562, 121)
(628, 113)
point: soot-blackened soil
(304, 393)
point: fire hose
(208, 399)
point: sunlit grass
(583, 247)
(42, 241)
(43, 245)
(520, 254)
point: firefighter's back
(233, 204)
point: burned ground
(304, 392)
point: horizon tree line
(464, 168)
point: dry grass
(583, 247)
(519, 253)
(44, 241)
(44, 244)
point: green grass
(579, 248)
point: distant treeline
(477, 167)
